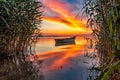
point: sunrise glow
(59, 20)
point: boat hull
(65, 41)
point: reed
(19, 22)
(104, 20)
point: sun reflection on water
(60, 55)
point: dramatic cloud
(60, 7)
(63, 12)
(63, 18)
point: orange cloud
(64, 13)
(70, 22)
(59, 7)
(55, 27)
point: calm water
(65, 62)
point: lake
(50, 62)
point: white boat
(65, 41)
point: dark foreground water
(50, 62)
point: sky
(60, 18)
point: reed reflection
(16, 68)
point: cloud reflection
(66, 62)
(62, 55)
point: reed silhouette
(104, 20)
(19, 22)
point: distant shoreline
(87, 35)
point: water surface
(65, 62)
(50, 62)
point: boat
(65, 41)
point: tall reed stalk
(104, 20)
(19, 21)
